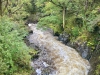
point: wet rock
(83, 49)
(30, 32)
(64, 37)
(45, 64)
(50, 31)
(56, 34)
(38, 71)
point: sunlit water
(65, 60)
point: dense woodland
(78, 18)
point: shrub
(75, 31)
(14, 54)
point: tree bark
(0, 7)
(3, 10)
(64, 10)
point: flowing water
(55, 58)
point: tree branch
(0, 7)
(5, 7)
(59, 5)
(17, 9)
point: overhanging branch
(59, 5)
(5, 6)
(17, 9)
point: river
(55, 58)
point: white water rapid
(66, 60)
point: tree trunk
(64, 17)
(0, 7)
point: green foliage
(30, 7)
(94, 23)
(97, 71)
(51, 17)
(14, 54)
(15, 9)
(54, 11)
(75, 31)
(3, 66)
(49, 20)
